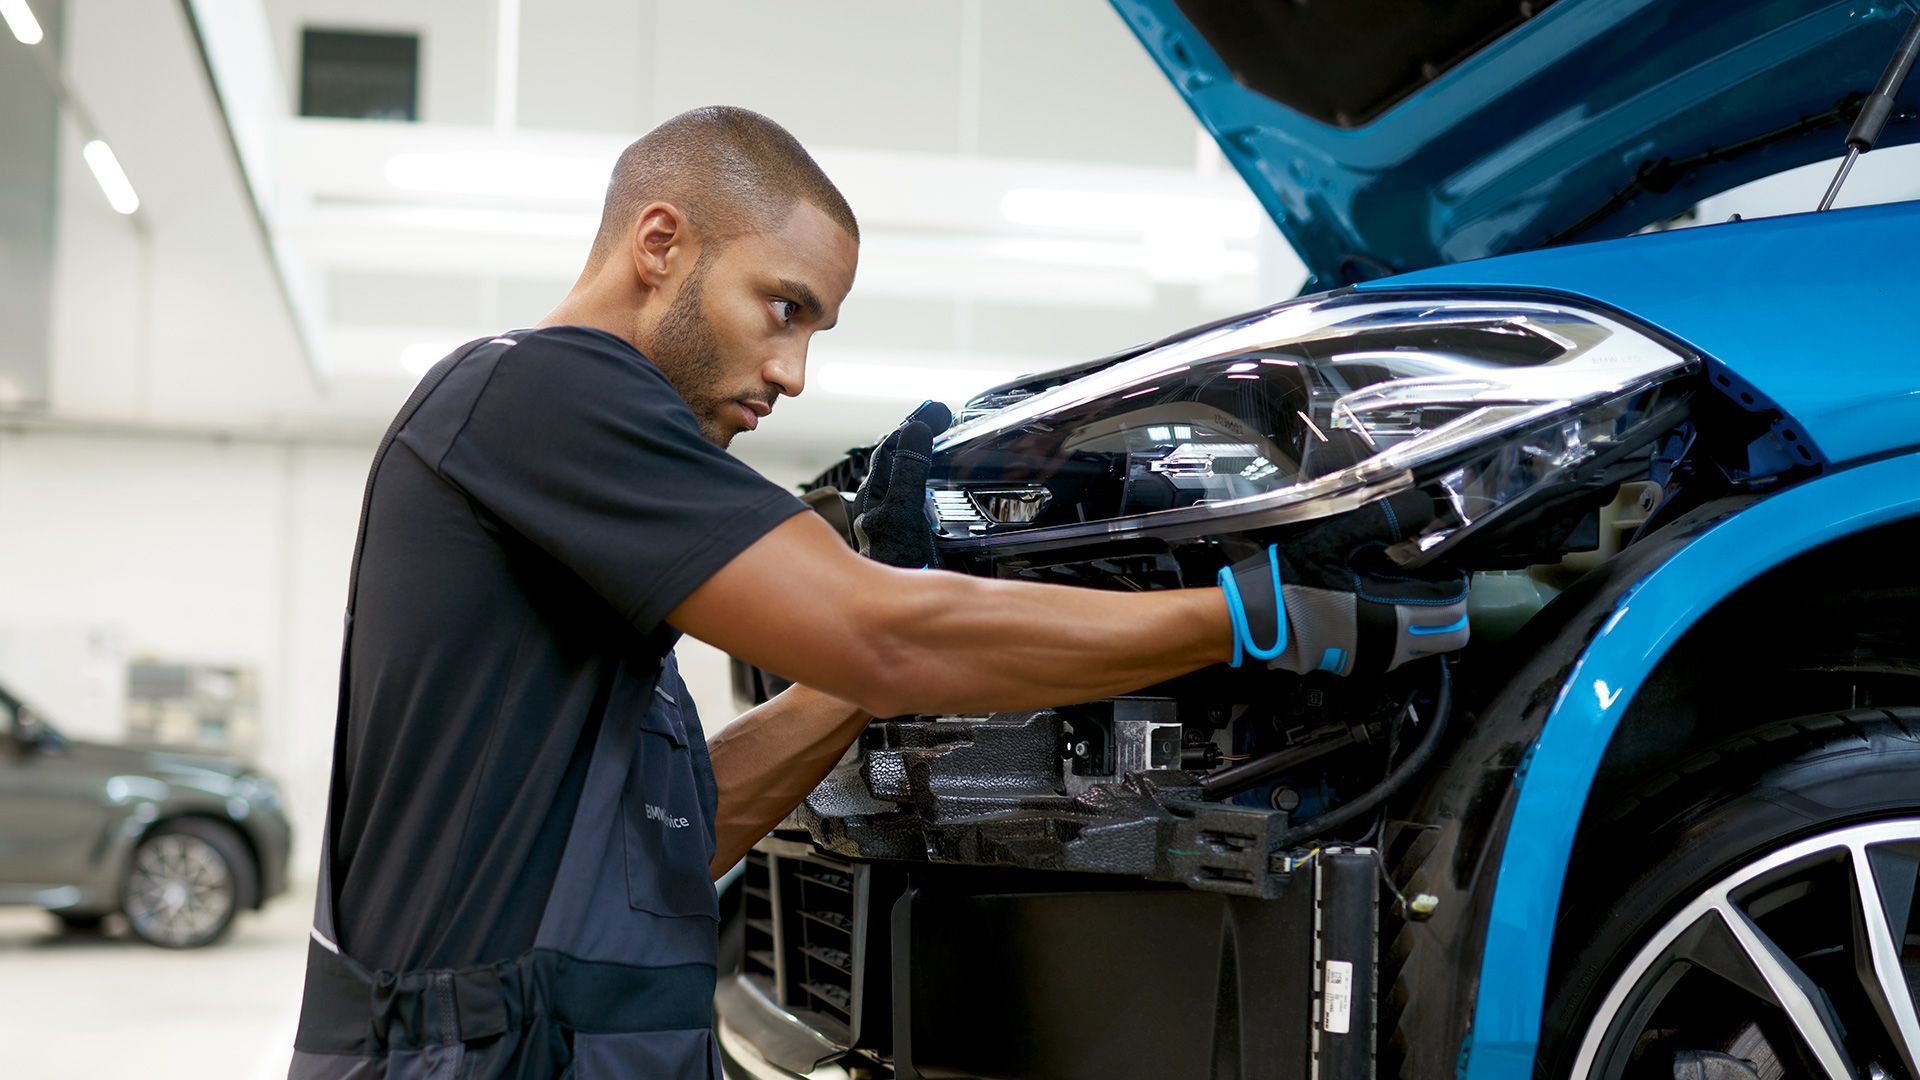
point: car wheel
(1752, 915)
(186, 883)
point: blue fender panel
(1554, 782)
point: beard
(686, 351)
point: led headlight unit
(1312, 408)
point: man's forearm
(767, 760)
(800, 603)
(969, 643)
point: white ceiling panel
(1068, 82)
(588, 65)
(863, 73)
(1005, 158)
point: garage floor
(106, 1005)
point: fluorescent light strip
(20, 20)
(111, 178)
(506, 66)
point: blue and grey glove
(1335, 602)
(891, 522)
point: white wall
(200, 550)
(193, 550)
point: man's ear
(660, 238)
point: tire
(1720, 923)
(187, 881)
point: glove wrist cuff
(1259, 577)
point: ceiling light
(521, 176)
(20, 20)
(1130, 212)
(111, 178)
(905, 383)
(418, 358)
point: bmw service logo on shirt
(659, 814)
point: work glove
(892, 522)
(1334, 601)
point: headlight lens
(1309, 409)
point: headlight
(1309, 409)
(260, 789)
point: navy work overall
(620, 979)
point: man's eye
(785, 309)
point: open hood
(1385, 136)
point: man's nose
(788, 371)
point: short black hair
(730, 170)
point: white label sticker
(1337, 994)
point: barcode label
(1337, 997)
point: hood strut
(1878, 106)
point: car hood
(1385, 137)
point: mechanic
(525, 820)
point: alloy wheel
(181, 891)
(1803, 963)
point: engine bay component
(1131, 982)
(1237, 778)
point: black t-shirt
(529, 529)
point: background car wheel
(1751, 914)
(187, 881)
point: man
(525, 821)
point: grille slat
(756, 910)
(833, 958)
(831, 919)
(838, 998)
(839, 882)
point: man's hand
(1358, 614)
(890, 512)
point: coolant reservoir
(1500, 602)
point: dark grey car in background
(178, 843)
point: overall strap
(324, 930)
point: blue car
(1594, 746)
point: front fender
(1554, 774)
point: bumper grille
(803, 942)
(756, 910)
